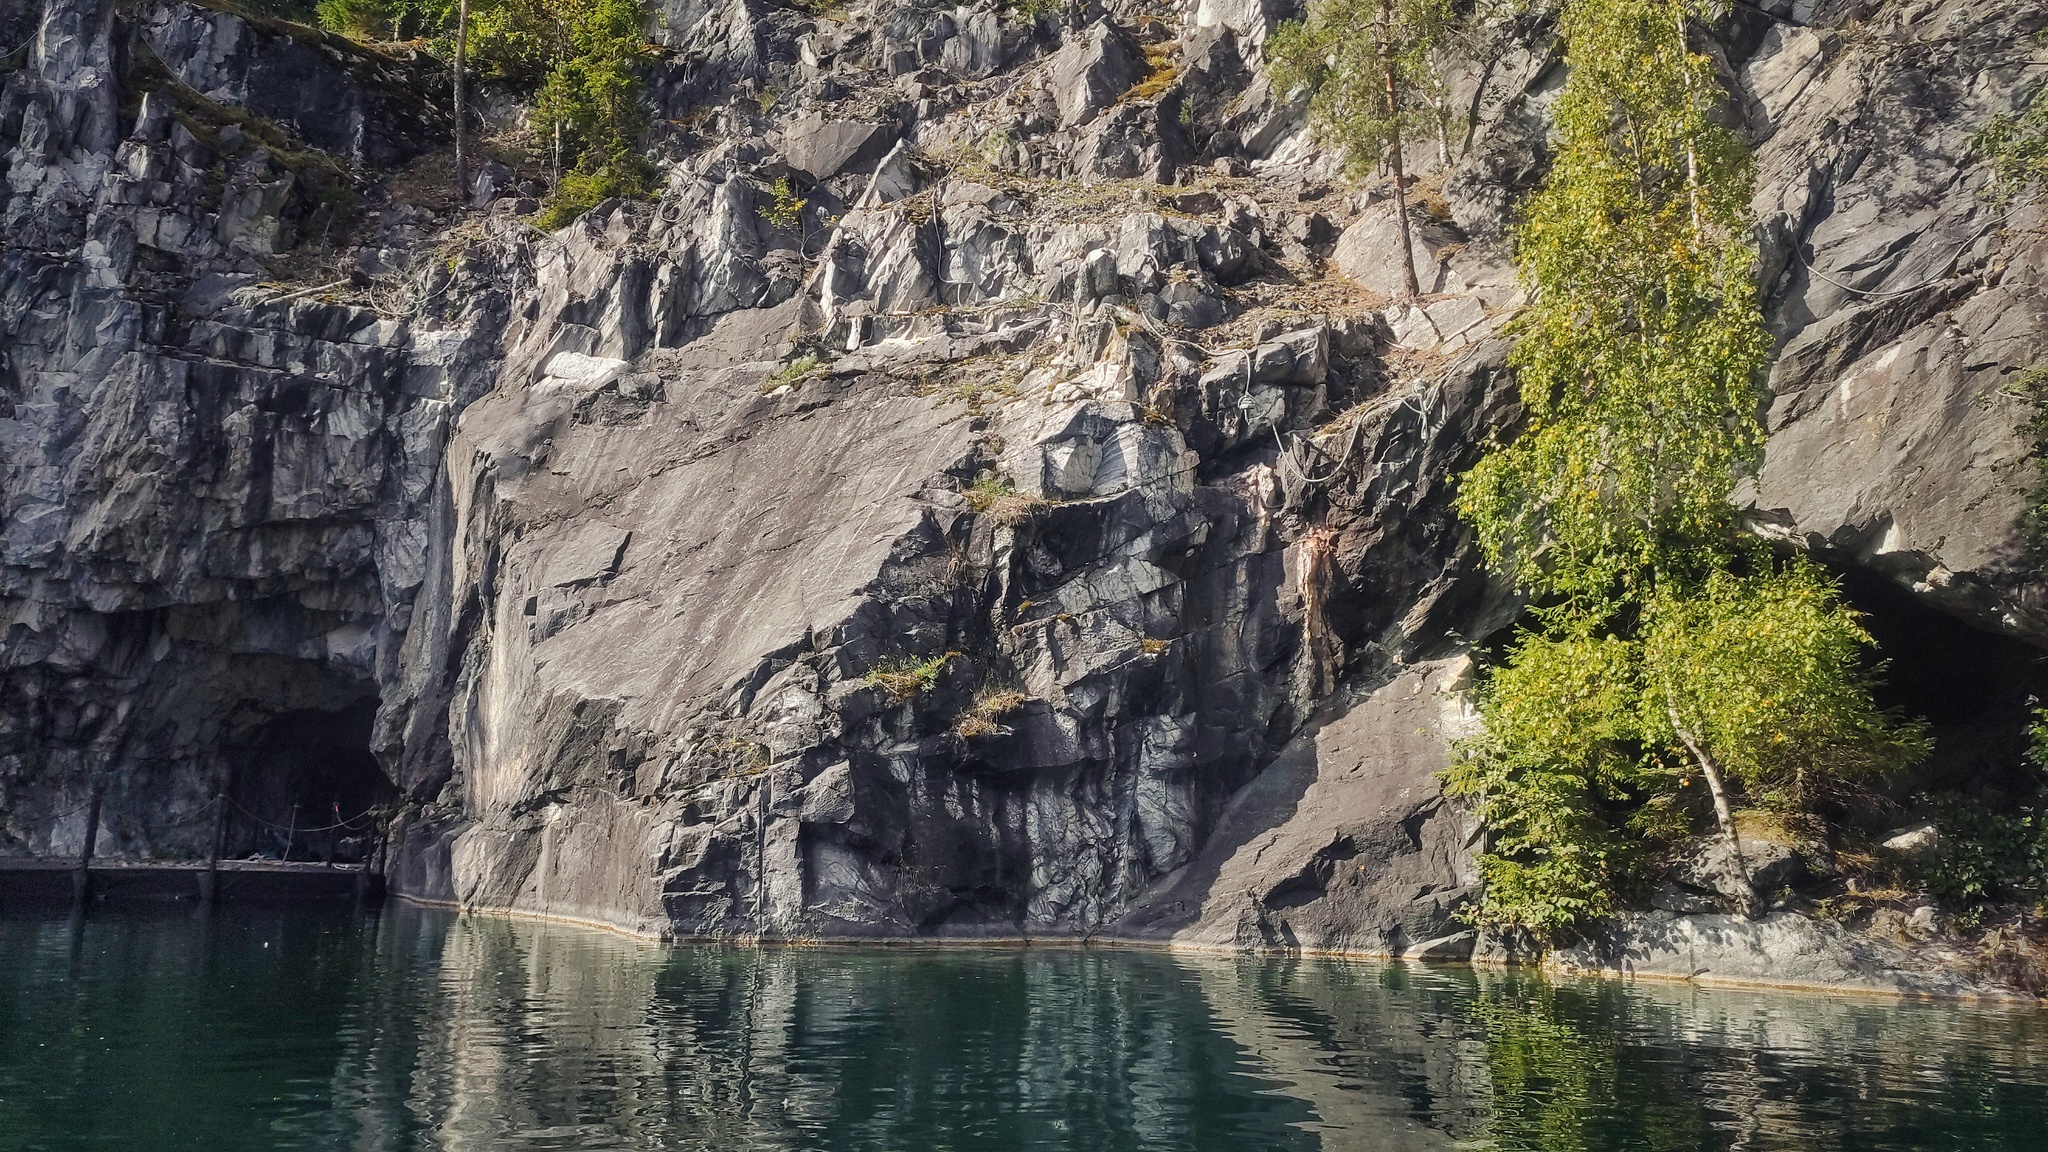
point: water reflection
(416, 1029)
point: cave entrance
(307, 788)
(1976, 689)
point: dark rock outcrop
(1004, 544)
(333, 93)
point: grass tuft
(1160, 72)
(905, 679)
(792, 372)
(983, 716)
(992, 496)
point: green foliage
(785, 209)
(579, 192)
(1342, 52)
(592, 91)
(2017, 149)
(906, 679)
(1992, 855)
(993, 496)
(984, 715)
(1987, 856)
(513, 42)
(1769, 672)
(1557, 754)
(2032, 389)
(792, 372)
(578, 59)
(1580, 772)
(381, 19)
(1666, 651)
(1640, 352)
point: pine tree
(1371, 66)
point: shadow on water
(419, 1029)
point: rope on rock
(1798, 251)
(71, 813)
(1297, 483)
(364, 818)
(202, 810)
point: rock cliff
(1045, 533)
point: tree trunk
(1723, 814)
(1394, 148)
(461, 104)
(1692, 159)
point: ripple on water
(418, 1029)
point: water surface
(418, 1029)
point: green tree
(1641, 348)
(1666, 650)
(1763, 681)
(591, 103)
(1371, 66)
(578, 59)
(2017, 149)
(380, 19)
(1753, 685)
(1557, 757)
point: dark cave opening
(308, 788)
(1976, 689)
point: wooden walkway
(43, 882)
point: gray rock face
(1781, 950)
(1344, 844)
(1009, 546)
(821, 148)
(214, 501)
(1903, 300)
(1092, 71)
(715, 46)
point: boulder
(1099, 277)
(1092, 72)
(1301, 357)
(1913, 840)
(895, 178)
(490, 180)
(1708, 864)
(1226, 255)
(1251, 20)
(981, 43)
(821, 148)
(1451, 322)
(1369, 252)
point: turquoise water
(419, 1029)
